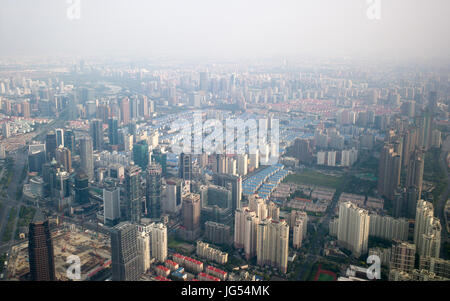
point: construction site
(91, 247)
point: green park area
(310, 177)
(26, 215)
(7, 233)
(7, 173)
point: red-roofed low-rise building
(162, 271)
(222, 275)
(206, 277)
(189, 263)
(172, 265)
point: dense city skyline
(250, 142)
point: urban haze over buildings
(224, 140)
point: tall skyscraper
(81, 188)
(242, 164)
(125, 110)
(6, 130)
(174, 195)
(414, 175)
(36, 157)
(153, 191)
(410, 142)
(425, 129)
(185, 167)
(86, 156)
(273, 244)
(233, 183)
(140, 154)
(64, 158)
(59, 137)
(133, 193)
(353, 228)
(96, 131)
(111, 205)
(26, 109)
(113, 131)
(50, 145)
(191, 215)
(389, 171)
(204, 81)
(69, 140)
(302, 150)
(254, 160)
(158, 156)
(125, 259)
(40, 250)
(143, 240)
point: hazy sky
(225, 28)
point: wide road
(20, 161)
(317, 244)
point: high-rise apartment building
(427, 230)
(159, 242)
(402, 256)
(273, 244)
(389, 171)
(245, 230)
(298, 223)
(414, 175)
(353, 228)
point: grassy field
(325, 277)
(173, 243)
(180, 245)
(314, 178)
